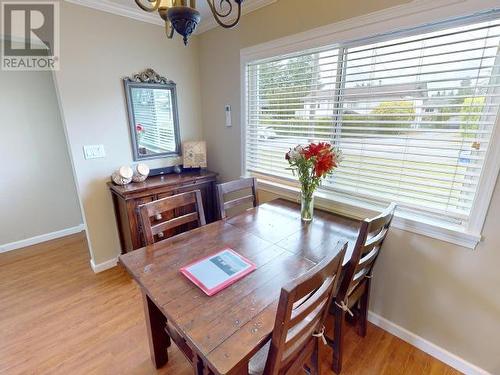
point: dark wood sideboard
(126, 200)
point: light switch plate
(227, 109)
(94, 151)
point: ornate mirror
(152, 113)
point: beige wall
(220, 64)
(446, 294)
(37, 189)
(97, 50)
(443, 293)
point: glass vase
(306, 207)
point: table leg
(241, 369)
(200, 367)
(157, 337)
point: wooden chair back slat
(356, 292)
(358, 277)
(175, 222)
(153, 209)
(302, 332)
(169, 203)
(242, 183)
(305, 308)
(239, 201)
(381, 221)
(374, 242)
(305, 290)
(233, 187)
(367, 260)
(302, 310)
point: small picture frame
(194, 154)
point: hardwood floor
(58, 317)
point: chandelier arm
(216, 14)
(221, 5)
(155, 5)
(169, 30)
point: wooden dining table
(220, 334)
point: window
(413, 113)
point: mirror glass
(152, 110)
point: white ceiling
(129, 8)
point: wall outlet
(227, 109)
(94, 151)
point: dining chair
(233, 187)
(354, 290)
(299, 325)
(162, 218)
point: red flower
(139, 128)
(316, 150)
(324, 164)
(324, 158)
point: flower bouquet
(139, 130)
(312, 163)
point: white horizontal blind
(413, 115)
(153, 110)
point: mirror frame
(150, 79)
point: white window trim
(413, 14)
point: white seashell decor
(123, 176)
(141, 172)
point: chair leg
(352, 320)
(339, 316)
(314, 370)
(363, 316)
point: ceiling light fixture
(184, 18)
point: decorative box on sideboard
(127, 198)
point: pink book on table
(217, 271)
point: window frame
(422, 16)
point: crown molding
(120, 10)
(249, 7)
(153, 18)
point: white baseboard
(428, 347)
(104, 265)
(41, 238)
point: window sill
(329, 201)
